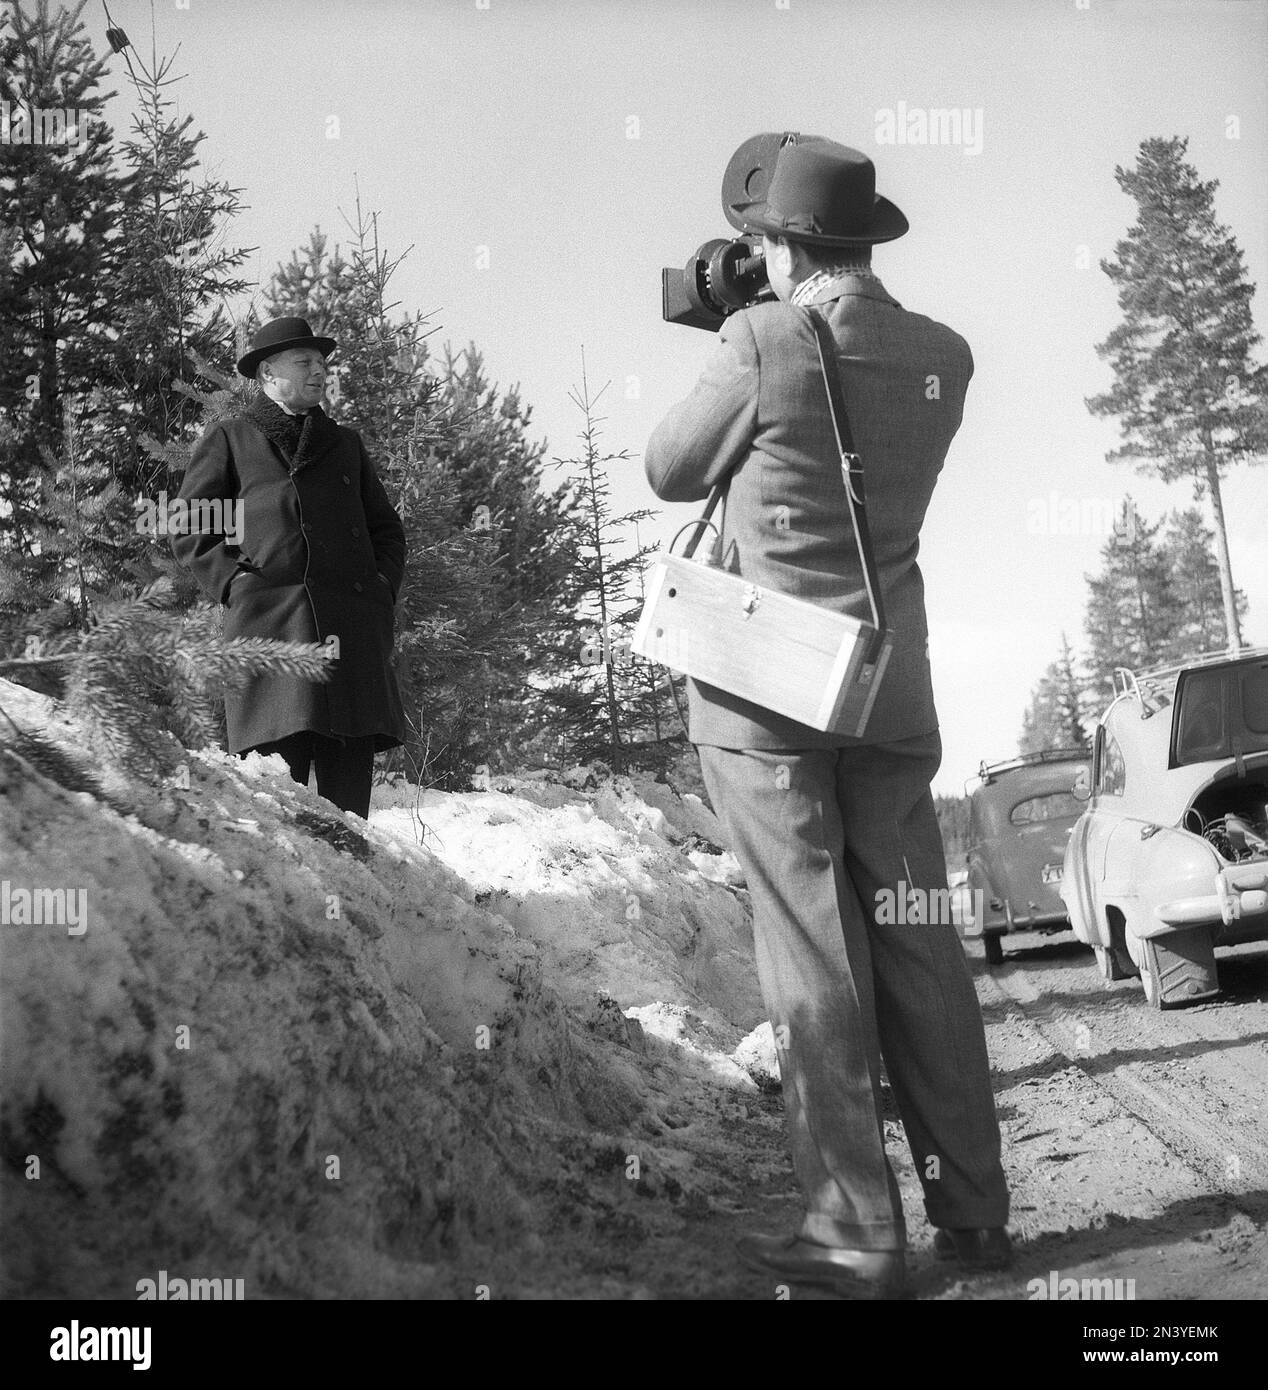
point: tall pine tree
(61, 204)
(1189, 398)
(175, 277)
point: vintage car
(1020, 815)
(1170, 857)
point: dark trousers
(344, 768)
(830, 840)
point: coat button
(347, 479)
(357, 586)
(356, 530)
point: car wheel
(1179, 969)
(993, 945)
(1108, 965)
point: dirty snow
(340, 1059)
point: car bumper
(1041, 919)
(1241, 891)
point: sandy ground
(524, 1021)
(1136, 1145)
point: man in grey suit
(831, 830)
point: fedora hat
(276, 336)
(824, 194)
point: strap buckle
(852, 466)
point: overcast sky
(547, 157)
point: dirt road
(1136, 1141)
(1136, 1144)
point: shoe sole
(973, 1266)
(845, 1285)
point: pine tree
(140, 672)
(1189, 399)
(532, 548)
(175, 277)
(380, 384)
(91, 609)
(1189, 547)
(657, 700)
(80, 542)
(487, 551)
(1055, 717)
(60, 208)
(1133, 611)
(600, 689)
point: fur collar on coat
(301, 438)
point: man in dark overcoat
(319, 552)
(830, 828)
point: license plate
(1051, 873)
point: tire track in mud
(1187, 1110)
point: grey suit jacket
(759, 414)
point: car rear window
(1255, 699)
(1220, 709)
(1049, 806)
(1202, 731)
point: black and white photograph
(633, 666)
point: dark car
(1020, 816)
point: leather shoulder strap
(851, 464)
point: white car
(1170, 858)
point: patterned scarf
(812, 284)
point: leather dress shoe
(978, 1247)
(862, 1274)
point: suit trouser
(345, 768)
(831, 840)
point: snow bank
(340, 1060)
(618, 888)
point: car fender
(1076, 888)
(979, 881)
(1169, 864)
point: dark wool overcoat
(321, 552)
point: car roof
(1033, 764)
(1139, 718)
(1002, 786)
(1160, 681)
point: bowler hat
(824, 194)
(276, 336)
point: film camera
(723, 275)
